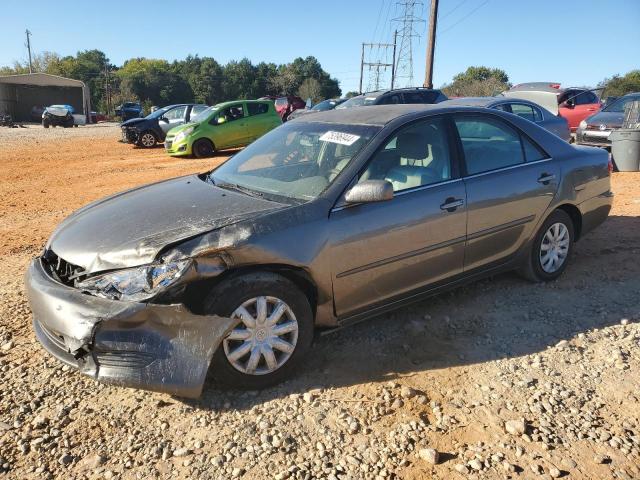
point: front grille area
(61, 270)
(129, 135)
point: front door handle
(451, 204)
(545, 178)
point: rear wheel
(551, 249)
(45, 123)
(203, 148)
(147, 139)
(273, 330)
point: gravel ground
(499, 379)
(33, 133)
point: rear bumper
(163, 348)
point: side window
(524, 111)
(257, 108)
(504, 107)
(390, 99)
(234, 112)
(176, 113)
(532, 152)
(586, 98)
(417, 155)
(488, 144)
(197, 109)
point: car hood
(130, 228)
(610, 119)
(133, 122)
(179, 128)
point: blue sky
(575, 42)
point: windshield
(203, 115)
(296, 160)
(325, 105)
(158, 113)
(360, 101)
(619, 105)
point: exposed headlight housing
(183, 134)
(135, 284)
(583, 125)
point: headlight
(583, 125)
(135, 284)
(183, 134)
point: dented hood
(132, 227)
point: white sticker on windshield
(339, 137)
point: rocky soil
(499, 379)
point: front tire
(147, 139)
(203, 148)
(274, 329)
(551, 249)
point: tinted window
(417, 155)
(176, 113)
(257, 108)
(420, 97)
(586, 98)
(526, 111)
(488, 144)
(531, 151)
(390, 99)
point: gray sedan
(522, 108)
(323, 222)
(595, 130)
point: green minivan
(226, 125)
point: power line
(407, 32)
(453, 9)
(465, 17)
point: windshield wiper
(239, 188)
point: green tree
(618, 85)
(153, 80)
(478, 82)
(312, 89)
(351, 94)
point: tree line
(194, 79)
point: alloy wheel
(148, 140)
(264, 338)
(554, 247)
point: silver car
(325, 221)
(595, 130)
(522, 108)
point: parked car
(323, 106)
(327, 220)
(522, 108)
(129, 110)
(59, 116)
(226, 125)
(574, 104)
(595, 130)
(392, 97)
(286, 104)
(152, 129)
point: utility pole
(431, 44)
(379, 63)
(29, 49)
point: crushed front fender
(164, 348)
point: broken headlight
(135, 284)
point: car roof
(379, 115)
(472, 101)
(232, 102)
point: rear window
(421, 97)
(257, 108)
(281, 102)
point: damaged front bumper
(164, 348)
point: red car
(574, 104)
(285, 104)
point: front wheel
(551, 249)
(147, 140)
(273, 330)
(203, 148)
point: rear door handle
(451, 204)
(545, 178)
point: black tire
(230, 294)
(533, 269)
(147, 139)
(45, 123)
(203, 148)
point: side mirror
(568, 104)
(221, 120)
(165, 120)
(369, 191)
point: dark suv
(129, 110)
(398, 95)
(152, 129)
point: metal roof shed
(20, 93)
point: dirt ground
(503, 378)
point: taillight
(610, 165)
(554, 85)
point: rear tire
(203, 148)
(45, 123)
(551, 249)
(293, 328)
